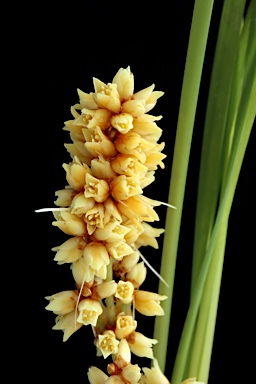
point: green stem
(189, 95)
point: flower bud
(96, 376)
(147, 303)
(124, 80)
(62, 303)
(137, 274)
(69, 223)
(70, 251)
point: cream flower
(128, 165)
(107, 344)
(62, 303)
(96, 118)
(69, 223)
(192, 380)
(141, 345)
(134, 145)
(138, 208)
(70, 251)
(122, 122)
(97, 142)
(148, 303)
(67, 324)
(113, 231)
(124, 80)
(80, 204)
(93, 263)
(146, 127)
(94, 218)
(118, 249)
(154, 375)
(123, 187)
(106, 95)
(89, 311)
(124, 291)
(101, 168)
(96, 188)
(125, 325)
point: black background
(63, 49)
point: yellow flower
(113, 231)
(146, 127)
(96, 118)
(98, 189)
(153, 375)
(123, 187)
(87, 100)
(97, 142)
(101, 168)
(148, 303)
(141, 345)
(134, 145)
(122, 122)
(125, 325)
(94, 218)
(89, 311)
(107, 344)
(70, 251)
(138, 208)
(128, 165)
(69, 223)
(67, 324)
(81, 205)
(124, 291)
(118, 249)
(62, 303)
(93, 263)
(76, 173)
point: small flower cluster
(115, 153)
